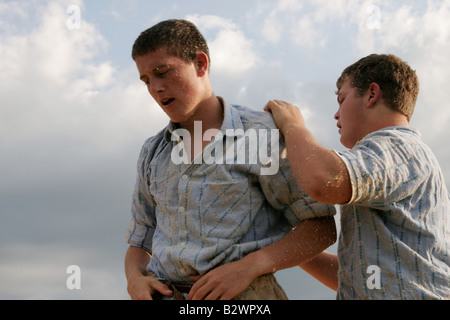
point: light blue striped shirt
(395, 232)
(194, 217)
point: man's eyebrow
(160, 67)
(156, 69)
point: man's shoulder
(387, 138)
(394, 133)
(151, 144)
(252, 118)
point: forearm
(136, 260)
(319, 171)
(141, 284)
(324, 267)
(307, 240)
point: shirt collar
(231, 123)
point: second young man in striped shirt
(395, 224)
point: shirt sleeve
(383, 170)
(143, 220)
(284, 193)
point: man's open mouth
(168, 101)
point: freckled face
(350, 115)
(173, 83)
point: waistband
(181, 287)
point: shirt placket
(184, 211)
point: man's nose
(156, 86)
(336, 116)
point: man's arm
(324, 267)
(320, 172)
(304, 242)
(141, 285)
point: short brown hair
(180, 37)
(398, 82)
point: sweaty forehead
(155, 59)
(345, 86)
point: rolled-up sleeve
(380, 176)
(284, 194)
(143, 220)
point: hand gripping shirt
(395, 231)
(193, 217)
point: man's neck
(384, 117)
(210, 113)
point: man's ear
(201, 63)
(374, 94)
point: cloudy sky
(73, 113)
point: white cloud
(422, 38)
(272, 29)
(61, 102)
(306, 35)
(306, 24)
(231, 52)
(418, 32)
(274, 23)
(14, 11)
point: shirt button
(182, 271)
(181, 210)
(185, 178)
